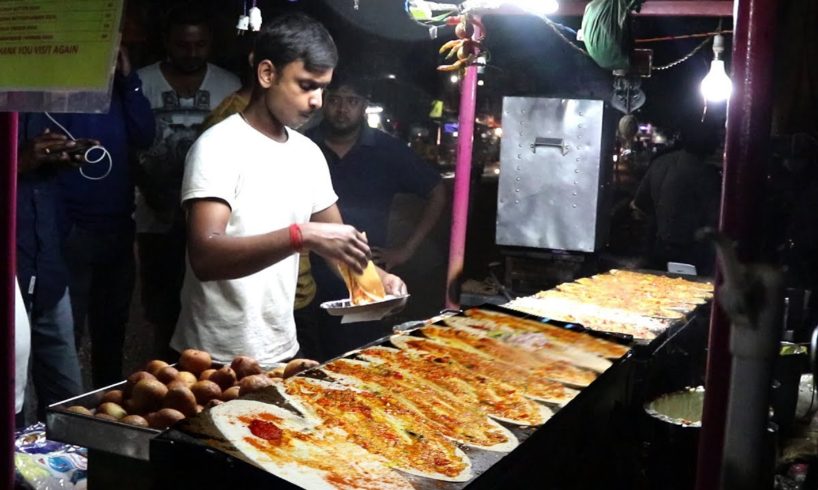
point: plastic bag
(606, 31)
(48, 465)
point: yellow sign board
(58, 44)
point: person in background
(368, 168)
(41, 270)
(680, 193)
(256, 194)
(98, 201)
(238, 100)
(232, 104)
(182, 89)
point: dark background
(526, 56)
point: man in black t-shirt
(681, 193)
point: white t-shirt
(177, 126)
(22, 349)
(268, 186)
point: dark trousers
(55, 367)
(161, 272)
(101, 281)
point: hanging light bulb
(716, 85)
(255, 17)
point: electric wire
(87, 155)
(683, 58)
(554, 27)
(681, 36)
(692, 52)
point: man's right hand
(337, 242)
(50, 148)
(123, 62)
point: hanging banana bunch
(465, 48)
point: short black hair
(355, 81)
(186, 14)
(296, 36)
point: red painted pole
(462, 181)
(8, 206)
(747, 147)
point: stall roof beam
(663, 8)
(8, 202)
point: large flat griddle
(581, 446)
(197, 443)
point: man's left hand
(389, 258)
(295, 366)
(393, 284)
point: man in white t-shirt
(182, 90)
(256, 193)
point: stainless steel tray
(112, 437)
(95, 433)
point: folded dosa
(363, 288)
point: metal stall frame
(749, 116)
(8, 199)
(462, 180)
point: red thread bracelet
(296, 239)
